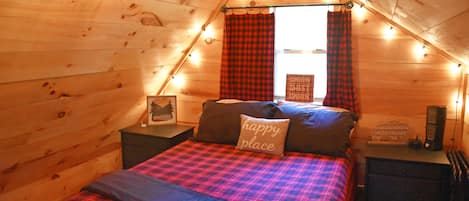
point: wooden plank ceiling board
(440, 22)
(430, 13)
(453, 35)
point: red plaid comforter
(224, 172)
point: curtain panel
(247, 67)
(340, 84)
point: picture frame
(161, 110)
(299, 88)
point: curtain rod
(348, 4)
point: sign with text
(299, 88)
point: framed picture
(299, 88)
(161, 110)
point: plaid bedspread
(224, 172)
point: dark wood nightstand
(141, 143)
(398, 173)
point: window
(300, 47)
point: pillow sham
(263, 135)
(315, 130)
(220, 123)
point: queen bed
(223, 171)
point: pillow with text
(263, 135)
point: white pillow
(263, 135)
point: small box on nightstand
(141, 143)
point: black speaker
(436, 119)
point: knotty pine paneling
(65, 183)
(201, 80)
(51, 89)
(72, 73)
(465, 137)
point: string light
(195, 57)
(455, 69)
(195, 28)
(178, 81)
(457, 99)
(420, 51)
(389, 32)
(423, 51)
(360, 11)
(208, 35)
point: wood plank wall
(465, 137)
(72, 73)
(393, 83)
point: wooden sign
(299, 88)
(390, 133)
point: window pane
(301, 28)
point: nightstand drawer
(390, 188)
(138, 140)
(404, 169)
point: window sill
(317, 101)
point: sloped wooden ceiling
(442, 23)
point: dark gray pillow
(316, 131)
(220, 122)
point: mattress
(224, 172)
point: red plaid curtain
(247, 67)
(340, 88)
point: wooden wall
(465, 137)
(393, 83)
(72, 73)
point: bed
(227, 173)
(222, 170)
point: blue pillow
(319, 131)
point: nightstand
(141, 143)
(398, 173)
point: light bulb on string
(208, 35)
(359, 10)
(420, 51)
(195, 58)
(389, 32)
(178, 81)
